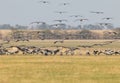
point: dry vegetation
(60, 69)
(7, 32)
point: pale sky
(25, 11)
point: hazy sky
(25, 11)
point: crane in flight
(104, 24)
(115, 33)
(76, 16)
(45, 2)
(37, 22)
(64, 4)
(96, 12)
(60, 12)
(81, 20)
(58, 25)
(107, 18)
(61, 20)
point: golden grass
(67, 43)
(59, 69)
(6, 32)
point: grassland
(59, 69)
(67, 43)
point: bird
(97, 12)
(115, 33)
(86, 46)
(81, 19)
(76, 16)
(45, 2)
(107, 18)
(100, 23)
(37, 22)
(60, 12)
(60, 41)
(112, 33)
(104, 23)
(57, 25)
(61, 20)
(64, 4)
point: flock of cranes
(77, 17)
(59, 50)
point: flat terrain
(67, 43)
(60, 69)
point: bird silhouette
(86, 46)
(64, 4)
(37, 22)
(105, 24)
(112, 33)
(76, 16)
(100, 23)
(81, 20)
(61, 20)
(60, 12)
(45, 2)
(97, 12)
(57, 25)
(115, 33)
(108, 18)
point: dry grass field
(7, 32)
(67, 43)
(61, 69)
